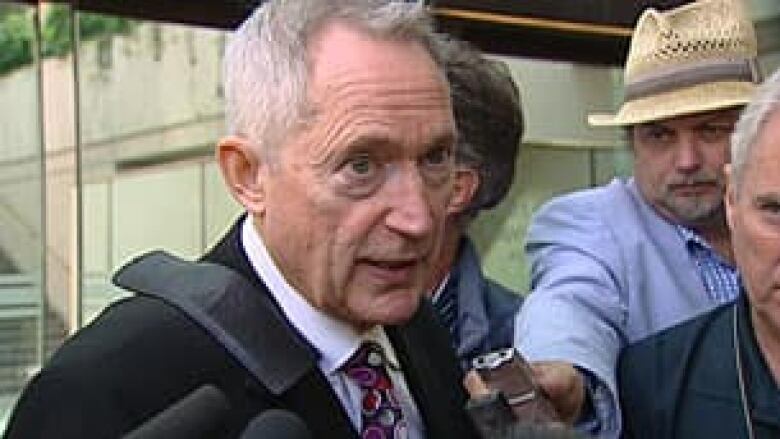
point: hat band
(742, 70)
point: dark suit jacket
(214, 322)
(682, 382)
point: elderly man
(614, 264)
(486, 103)
(339, 149)
(716, 376)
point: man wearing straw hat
(614, 264)
(716, 376)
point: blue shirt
(606, 271)
(720, 279)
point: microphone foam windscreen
(277, 424)
(196, 415)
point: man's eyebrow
(720, 118)
(653, 126)
(444, 139)
(717, 121)
(367, 142)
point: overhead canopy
(589, 31)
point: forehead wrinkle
(344, 128)
(367, 90)
(348, 115)
(322, 151)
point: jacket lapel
(423, 348)
(431, 370)
(224, 296)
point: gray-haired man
(339, 149)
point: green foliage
(15, 40)
(17, 36)
(56, 32)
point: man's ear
(729, 196)
(241, 165)
(465, 186)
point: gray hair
(266, 67)
(489, 119)
(750, 124)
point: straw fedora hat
(695, 58)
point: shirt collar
(698, 246)
(437, 292)
(334, 339)
(691, 237)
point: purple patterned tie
(380, 412)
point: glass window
(128, 123)
(150, 112)
(21, 203)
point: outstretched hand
(564, 386)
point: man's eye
(714, 132)
(361, 166)
(436, 166)
(772, 207)
(659, 135)
(438, 156)
(359, 176)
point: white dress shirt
(335, 340)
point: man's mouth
(692, 189)
(392, 271)
(393, 265)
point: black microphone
(277, 424)
(197, 415)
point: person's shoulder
(501, 297)
(98, 370)
(127, 327)
(653, 372)
(501, 307)
(597, 195)
(586, 208)
(468, 270)
(137, 338)
(670, 347)
(587, 217)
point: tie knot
(381, 414)
(364, 364)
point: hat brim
(681, 102)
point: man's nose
(410, 212)
(689, 155)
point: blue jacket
(606, 270)
(486, 309)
